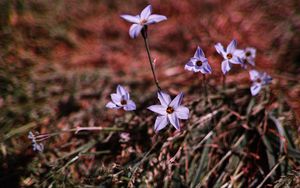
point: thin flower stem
(224, 82)
(204, 86)
(45, 136)
(145, 37)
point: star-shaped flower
(259, 79)
(169, 111)
(139, 21)
(198, 63)
(121, 99)
(230, 55)
(247, 55)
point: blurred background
(60, 60)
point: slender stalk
(45, 136)
(224, 82)
(145, 37)
(204, 86)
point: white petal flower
(231, 55)
(259, 79)
(121, 99)
(198, 63)
(169, 111)
(139, 21)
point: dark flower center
(123, 102)
(229, 56)
(142, 22)
(170, 110)
(199, 63)
(248, 54)
(258, 80)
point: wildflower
(121, 99)
(198, 63)
(230, 55)
(247, 55)
(169, 111)
(36, 139)
(144, 19)
(124, 137)
(259, 79)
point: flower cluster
(171, 111)
(232, 55)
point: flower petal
(182, 112)
(254, 75)
(160, 123)
(199, 53)
(116, 98)
(31, 136)
(232, 46)
(155, 18)
(164, 98)
(206, 69)
(255, 88)
(158, 109)
(121, 90)
(266, 78)
(135, 30)
(240, 53)
(220, 49)
(177, 100)
(130, 18)
(225, 66)
(112, 105)
(146, 12)
(174, 120)
(130, 106)
(191, 68)
(251, 61)
(38, 147)
(236, 60)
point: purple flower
(247, 55)
(124, 137)
(169, 111)
(139, 21)
(198, 63)
(35, 142)
(230, 55)
(121, 99)
(259, 79)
